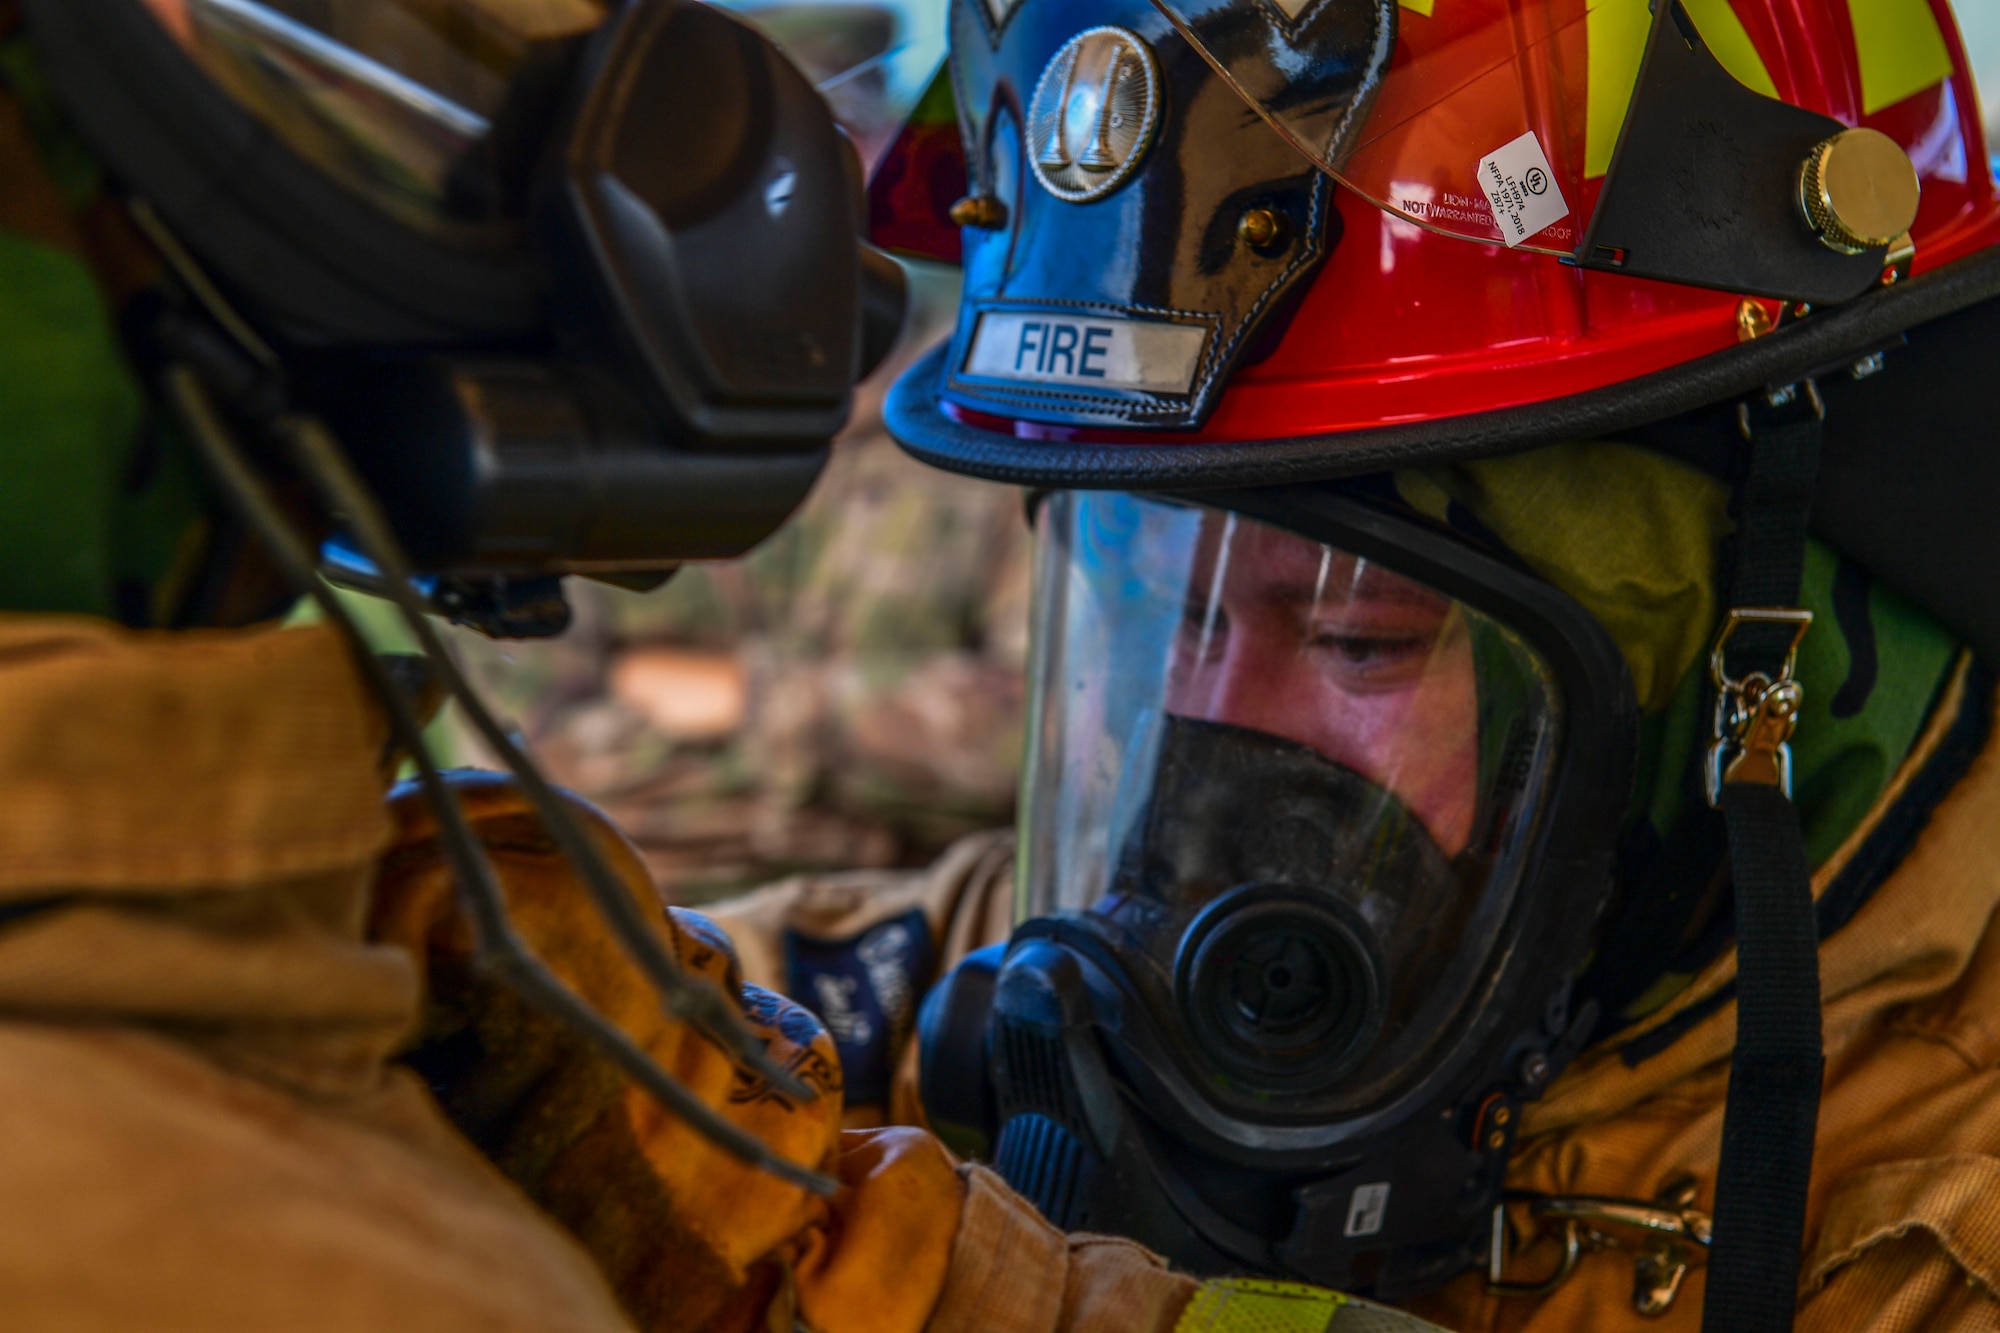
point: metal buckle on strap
(1782, 403)
(1754, 715)
(1663, 1236)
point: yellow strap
(1615, 34)
(1901, 48)
(1251, 1305)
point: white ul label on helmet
(1086, 350)
(1521, 186)
(1367, 1210)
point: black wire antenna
(314, 449)
(501, 951)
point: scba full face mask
(1309, 857)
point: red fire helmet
(1548, 225)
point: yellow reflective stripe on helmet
(1423, 7)
(1252, 1305)
(1901, 48)
(1615, 32)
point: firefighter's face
(1371, 670)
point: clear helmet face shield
(1317, 818)
(1531, 122)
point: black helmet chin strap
(1774, 1083)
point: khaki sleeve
(685, 1233)
(689, 1237)
(1011, 1272)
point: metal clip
(1796, 397)
(1496, 1259)
(1669, 1230)
(1754, 716)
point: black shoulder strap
(1774, 1085)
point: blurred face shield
(578, 286)
(1299, 881)
(392, 98)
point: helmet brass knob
(1260, 229)
(979, 210)
(1858, 191)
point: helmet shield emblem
(1144, 230)
(1093, 114)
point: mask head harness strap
(1774, 1083)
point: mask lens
(1295, 782)
(389, 97)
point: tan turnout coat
(216, 938)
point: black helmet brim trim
(1823, 343)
